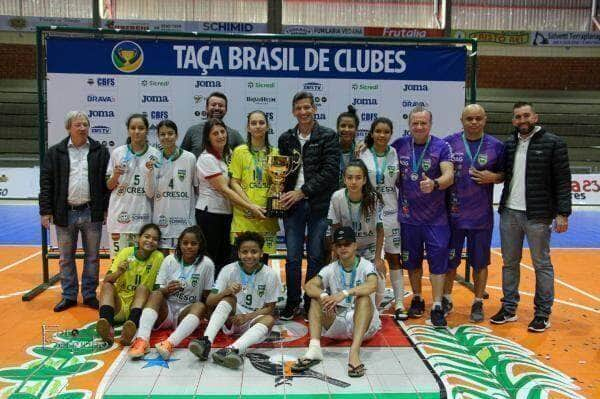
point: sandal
(304, 363)
(358, 371)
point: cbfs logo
(102, 82)
(127, 56)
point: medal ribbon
(416, 166)
(246, 279)
(347, 286)
(380, 171)
(190, 269)
(354, 220)
(472, 158)
(258, 164)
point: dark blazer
(54, 181)
(321, 162)
(547, 175)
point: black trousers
(216, 228)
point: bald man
(478, 165)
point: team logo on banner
(127, 56)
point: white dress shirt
(516, 196)
(79, 186)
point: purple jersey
(414, 206)
(470, 204)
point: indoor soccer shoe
(476, 312)
(105, 331)
(228, 357)
(128, 332)
(139, 348)
(438, 319)
(417, 308)
(200, 347)
(539, 324)
(165, 349)
(447, 306)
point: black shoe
(64, 304)
(417, 308)
(228, 357)
(447, 306)
(539, 324)
(438, 319)
(92, 302)
(503, 317)
(476, 315)
(200, 347)
(289, 312)
(400, 314)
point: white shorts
(343, 326)
(118, 241)
(236, 330)
(173, 311)
(167, 243)
(391, 229)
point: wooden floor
(571, 345)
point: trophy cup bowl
(278, 168)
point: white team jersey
(195, 279)
(388, 165)
(259, 288)
(344, 212)
(129, 207)
(174, 194)
(334, 282)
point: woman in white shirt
(213, 207)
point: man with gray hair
(74, 197)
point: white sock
(314, 350)
(448, 297)
(185, 328)
(397, 277)
(478, 300)
(437, 304)
(253, 335)
(314, 342)
(380, 290)
(217, 320)
(147, 321)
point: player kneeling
(185, 279)
(342, 303)
(127, 285)
(245, 295)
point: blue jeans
(296, 222)
(91, 233)
(514, 226)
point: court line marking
(559, 281)
(13, 294)
(576, 305)
(20, 261)
(109, 375)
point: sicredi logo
(365, 86)
(261, 85)
(154, 83)
(127, 56)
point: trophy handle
(295, 162)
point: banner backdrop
(168, 78)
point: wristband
(346, 293)
(323, 295)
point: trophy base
(272, 210)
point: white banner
(585, 190)
(19, 183)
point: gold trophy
(278, 168)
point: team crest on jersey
(123, 218)
(163, 221)
(181, 174)
(482, 159)
(261, 289)
(121, 189)
(391, 170)
(195, 279)
(426, 164)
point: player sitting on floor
(128, 284)
(342, 303)
(185, 280)
(245, 295)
